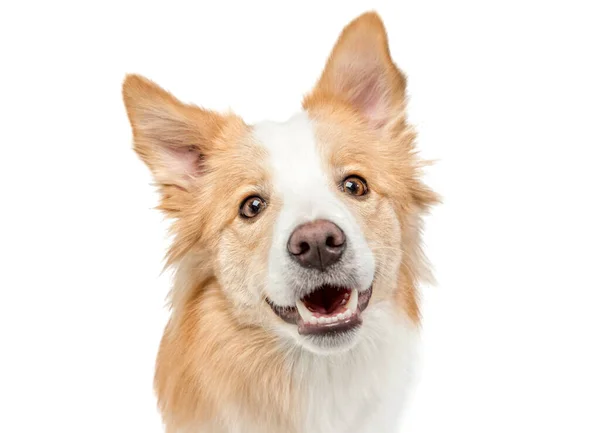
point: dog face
(306, 225)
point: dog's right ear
(171, 137)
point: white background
(506, 97)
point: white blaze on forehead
(299, 173)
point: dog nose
(317, 244)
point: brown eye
(355, 185)
(252, 206)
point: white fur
(300, 180)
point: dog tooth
(313, 320)
(322, 320)
(340, 316)
(304, 312)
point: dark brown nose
(317, 244)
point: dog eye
(252, 206)
(355, 185)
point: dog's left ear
(360, 72)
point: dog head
(308, 224)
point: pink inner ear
(185, 161)
(369, 96)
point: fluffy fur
(226, 362)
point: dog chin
(330, 344)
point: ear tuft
(361, 73)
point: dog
(296, 251)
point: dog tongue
(326, 300)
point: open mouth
(327, 309)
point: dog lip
(290, 314)
(287, 314)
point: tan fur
(208, 360)
(393, 173)
(216, 351)
(205, 330)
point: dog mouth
(326, 310)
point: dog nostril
(330, 242)
(304, 247)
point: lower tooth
(340, 316)
(313, 321)
(322, 320)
